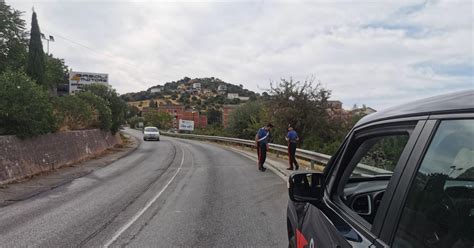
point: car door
(434, 202)
(359, 186)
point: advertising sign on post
(186, 125)
(78, 79)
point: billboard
(79, 79)
(186, 125)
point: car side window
(369, 172)
(439, 209)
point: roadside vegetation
(157, 119)
(29, 78)
(302, 104)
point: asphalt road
(172, 193)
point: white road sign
(186, 125)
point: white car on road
(151, 133)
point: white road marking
(148, 205)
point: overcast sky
(380, 53)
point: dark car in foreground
(403, 177)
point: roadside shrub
(246, 119)
(73, 113)
(25, 110)
(117, 106)
(212, 130)
(133, 122)
(101, 111)
(161, 120)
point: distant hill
(202, 93)
(169, 88)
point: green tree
(57, 72)
(246, 120)
(25, 109)
(117, 106)
(133, 122)
(214, 117)
(36, 64)
(301, 104)
(132, 111)
(152, 104)
(158, 119)
(13, 39)
(184, 98)
(101, 111)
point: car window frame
(380, 128)
(390, 224)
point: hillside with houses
(203, 100)
(210, 101)
(198, 93)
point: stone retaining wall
(24, 158)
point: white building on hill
(197, 86)
(231, 96)
(156, 89)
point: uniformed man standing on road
(262, 139)
(292, 138)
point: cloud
(375, 52)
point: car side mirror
(306, 187)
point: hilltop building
(197, 86)
(231, 96)
(156, 89)
(363, 111)
(222, 89)
(207, 92)
(335, 111)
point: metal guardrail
(314, 158)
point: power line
(93, 50)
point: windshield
(151, 129)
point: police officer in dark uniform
(262, 138)
(292, 138)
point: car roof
(457, 102)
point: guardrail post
(312, 164)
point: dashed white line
(144, 209)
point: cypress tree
(36, 64)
